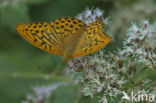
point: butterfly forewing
(41, 35)
(92, 40)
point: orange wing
(53, 37)
(42, 36)
(92, 39)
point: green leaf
(33, 2)
(57, 8)
(64, 94)
(87, 99)
(13, 13)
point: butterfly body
(67, 37)
(70, 44)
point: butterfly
(67, 36)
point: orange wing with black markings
(93, 39)
(67, 37)
(42, 36)
(51, 37)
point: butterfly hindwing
(92, 39)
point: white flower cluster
(41, 94)
(91, 15)
(97, 76)
(140, 43)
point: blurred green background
(23, 65)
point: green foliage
(87, 99)
(13, 13)
(58, 8)
(35, 2)
(65, 94)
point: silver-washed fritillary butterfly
(67, 36)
